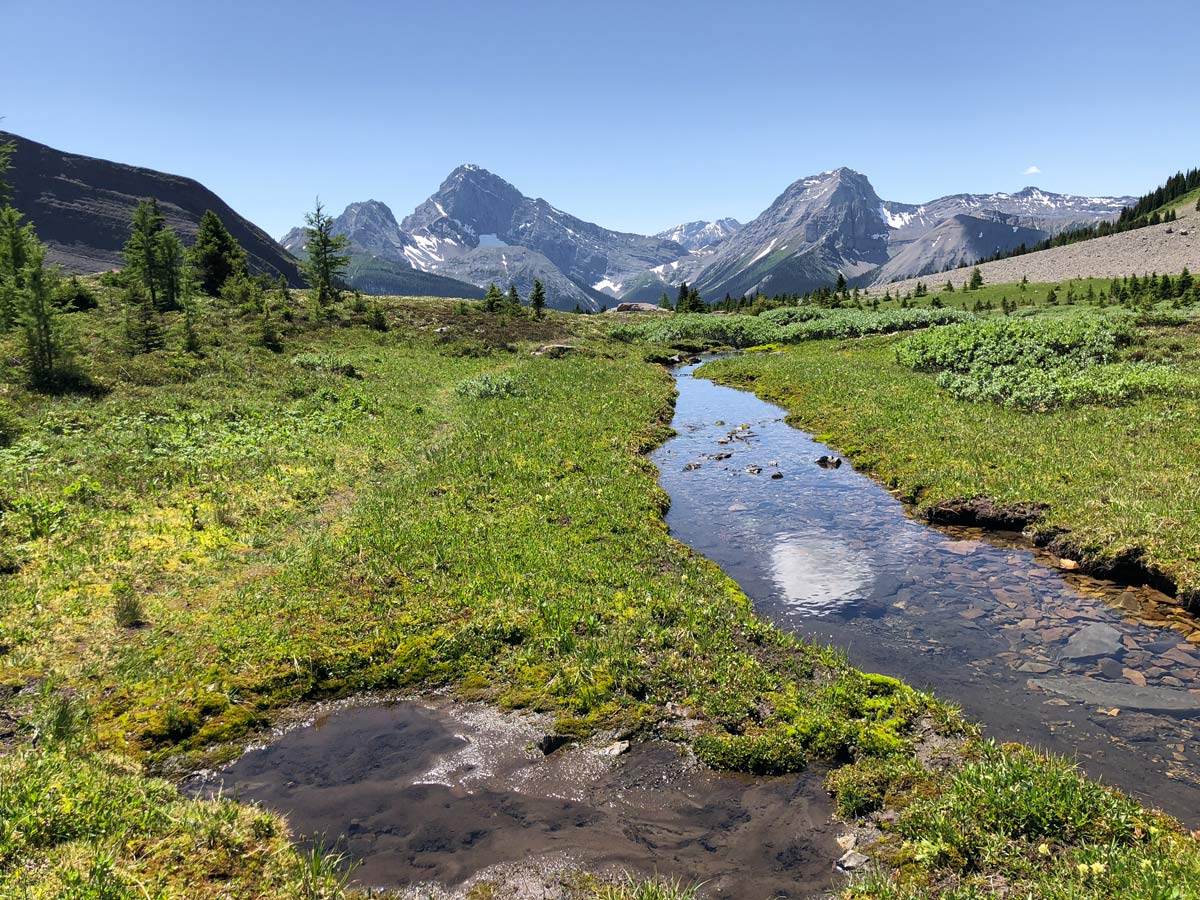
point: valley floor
(209, 538)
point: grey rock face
(958, 241)
(82, 206)
(699, 235)
(818, 227)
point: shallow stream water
(426, 793)
(1061, 661)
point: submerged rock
(1121, 695)
(1091, 641)
(829, 462)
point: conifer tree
(683, 302)
(325, 258)
(17, 242)
(976, 281)
(141, 250)
(493, 298)
(143, 328)
(949, 288)
(191, 337)
(537, 298)
(216, 255)
(512, 300)
(39, 317)
(7, 149)
(664, 302)
(841, 284)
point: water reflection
(830, 554)
(817, 575)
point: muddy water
(1064, 663)
(434, 792)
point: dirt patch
(981, 512)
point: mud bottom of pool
(439, 792)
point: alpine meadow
(822, 546)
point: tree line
(1145, 212)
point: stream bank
(1054, 659)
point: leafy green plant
(489, 386)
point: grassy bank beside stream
(205, 538)
(1117, 480)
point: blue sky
(632, 115)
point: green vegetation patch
(1047, 829)
(784, 325)
(1038, 363)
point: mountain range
(477, 229)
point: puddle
(1065, 662)
(441, 792)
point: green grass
(207, 539)
(425, 506)
(1119, 478)
(784, 325)
(1041, 363)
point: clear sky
(635, 115)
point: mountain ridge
(81, 207)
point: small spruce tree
(493, 298)
(216, 255)
(325, 259)
(537, 299)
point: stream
(1056, 660)
(428, 793)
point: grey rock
(852, 860)
(1091, 641)
(1168, 701)
(700, 235)
(81, 207)
(615, 749)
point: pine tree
(191, 337)
(170, 261)
(285, 299)
(841, 284)
(537, 299)
(325, 259)
(949, 288)
(39, 317)
(143, 328)
(683, 303)
(17, 242)
(142, 249)
(7, 149)
(976, 281)
(216, 255)
(493, 299)
(664, 302)
(512, 300)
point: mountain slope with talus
(81, 207)
(818, 227)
